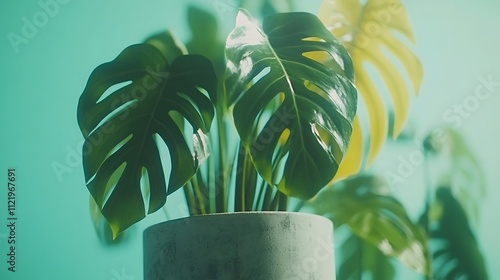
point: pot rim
(232, 214)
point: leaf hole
(113, 180)
(330, 60)
(259, 76)
(121, 112)
(165, 157)
(313, 39)
(113, 88)
(119, 145)
(145, 187)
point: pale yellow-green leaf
(354, 156)
(370, 31)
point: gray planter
(239, 246)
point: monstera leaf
(455, 249)
(121, 155)
(299, 144)
(370, 32)
(376, 217)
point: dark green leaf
(103, 230)
(350, 259)
(455, 249)
(377, 264)
(167, 44)
(122, 129)
(377, 218)
(358, 257)
(316, 103)
(205, 37)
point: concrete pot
(245, 245)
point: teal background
(457, 41)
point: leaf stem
(283, 201)
(221, 179)
(188, 194)
(275, 202)
(199, 194)
(259, 201)
(266, 204)
(239, 187)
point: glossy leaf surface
(121, 155)
(300, 143)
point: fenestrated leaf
(370, 32)
(455, 249)
(122, 129)
(316, 103)
(375, 217)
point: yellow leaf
(354, 156)
(369, 31)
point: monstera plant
(260, 122)
(293, 116)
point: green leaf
(455, 249)
(205, 37)
(316, 103)
(465, 174)
(168, 44)
(378, 264)
(350, 259)
(122, 128)
(103, 230)
(376, 217)
(358, 257)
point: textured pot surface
(251, 245)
